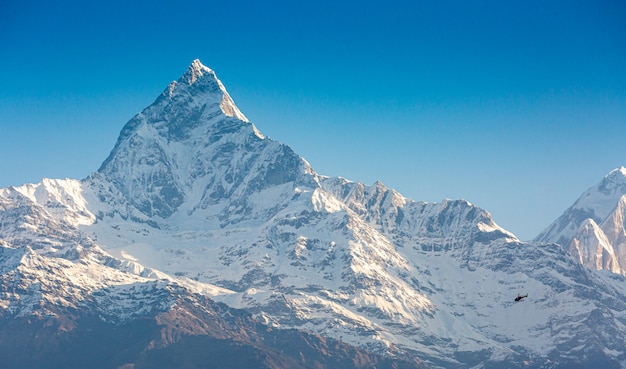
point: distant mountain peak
(594, 224)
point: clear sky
(515, 106)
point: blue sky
(515, 106)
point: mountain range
(199, 240)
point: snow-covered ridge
(62, 198)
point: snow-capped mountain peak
(203, 78)
(596, 203)
(164, 152)
(593, 227)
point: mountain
(195, 205)
(86, 314)
(593, 228)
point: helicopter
(520, 297)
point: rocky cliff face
(194, 201)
